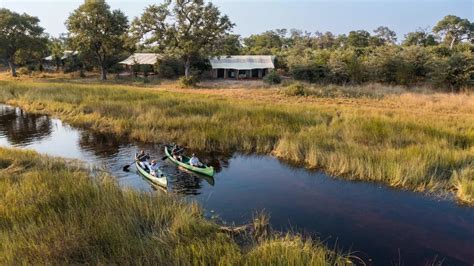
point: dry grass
(417, 141)
(52, 212)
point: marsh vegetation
(421, 142)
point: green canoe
(158, 180)
(205, 170)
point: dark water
(381, 225)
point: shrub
(272, 78)
(455, 71)
(169, 67)
(190, 81)
(346, 67)
(296, 89)
(23, 71)
(311, 72)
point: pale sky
(337, 16)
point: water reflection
(103, 145)
(21, 128)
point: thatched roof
(141, 59)
(241, 62)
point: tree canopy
(185, 28)
(454, 29)
(98, 32)
(20, 37)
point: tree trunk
(103, 73)
(12, 68)
(187, 67)
(452, 43)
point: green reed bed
(403, 147)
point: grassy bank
(422, 142)
(53, 212)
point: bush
(296, 89)
(272, 78)
(23, 71)
(311, 73)
(169, 67)
(455, 71)
(346, 67)
(191, 81)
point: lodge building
(242, 66)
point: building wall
(239, 74)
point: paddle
(125, 167)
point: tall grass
(54, 212)
(414, 141)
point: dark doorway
(220, 73)
(231, 73)
(254, 73)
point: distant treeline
(441, 56)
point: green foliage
(56, 48)
(190, 81)
(455, 71)
(361, 57)
(98, 33)
(272, 78)
(296, 89)
(169, 67)
(385, 35)
(358, 39)
(21, 38)
(346, 66)
(23, 71)
(454, 29)
(230, 45)
(311, 73)
(73, 63)
(197, 30)
(267, 43)
(420, 38)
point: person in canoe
(194, 161)
(154, 170)
(142, 158)
(176, 153)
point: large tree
(420, 37)
(19, 34)
(185, 28)
(385, 35)
(359, 39)
(97, 31)
(454, 29)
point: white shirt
(194, 161)
(153, 168)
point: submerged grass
(422, 142)
(54, 212)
